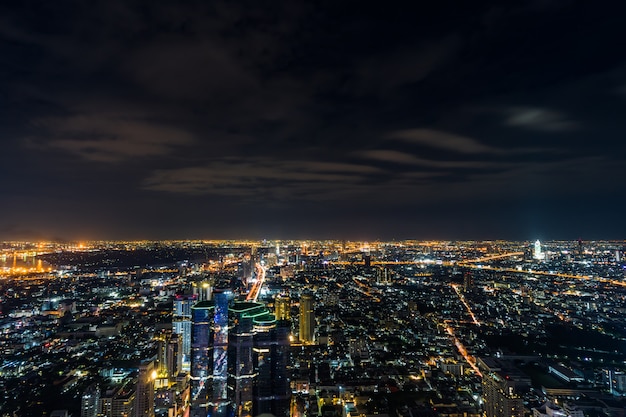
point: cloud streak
(110, 139)
(539, 119)
(260, 178)
(441, 140)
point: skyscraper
(90, 401)
(271, 341)
(201, 356)
(242, 371)
(118, 401)
(239, 359)
(538, 254)
(173, 357)
(144, 397)
(307, 319)
(258, 347)
(220, 348)
(181, 324)
(502, 385)
(282, 307)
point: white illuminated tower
(538, 254)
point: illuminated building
(201, 355)
(552, 410)
(258, 354)
(241, 352)
(203, 291)
(468, 281)
(118, 402)
(500, 397)
(90, 401)
(144, 396)
(271, 341)
(173, 357)
(181, 324)
(167, 354)
(307, 319)
(501, 389)
(538, 254)
(239, 359)
(247, 269)
(282, 307)
(220, 348)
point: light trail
(462, 298)
(253, 295)
(492, 257)
(469, 359)
(366, 290)
(549, 274)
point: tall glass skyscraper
(201, 356)
(220, 348)
(239, 359)
(271, 341)
(181, 325)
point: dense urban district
(313, 328)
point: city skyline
(313, 328)
(312, 120)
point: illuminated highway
(364, 289)
(462, 298)
(470, 360)
(492, 257)
(253, 295)
(550, 274)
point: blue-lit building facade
(220, 348)
(239, 359)
(202, 343)
(181, 325)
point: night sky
(322, 119)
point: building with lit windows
(90, 401)
(271, 342)
(537, 253)
(306, 319)
(181, 325)
(144, 394)
(282, 307)
(118, 401)
(502, 387)
(202, 316)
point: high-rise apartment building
(90, 401)
(502, 386)
(118, 401)
(173, 356)
(282, 307)
(307, 319)
(144, 394)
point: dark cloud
(257, 178)
(443, 140)
(110, 138)
(127, 119)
